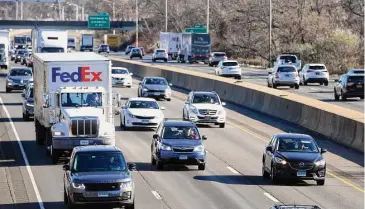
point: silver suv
(216, 57)
(283, 75)
(98, 175)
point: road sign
(199, 26)
(195, 30)
(100, 21)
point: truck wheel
(38, 137)
(48, 142)
(165, 60)
(25, 116)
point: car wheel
(305, 82)
(343, 97)
(65, 198)
(320, 182)
(222, 125)
(362, 97)
(124, 126)
(321, 83)
(153, 60)
(129, 86)
(336, 96)
(296, 86)
(168, 99)
(326, 83)
(159, 165)
(129, 206)
(265, 174)
(25, 116)
(153, 161)
(268, 84)
(201, 166)
(274, 85)
(272, 175)
(165, 60)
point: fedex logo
(83, 74)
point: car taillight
(276, 75)
(350, 84)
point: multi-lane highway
(232, 178)
(259, 76)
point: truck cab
(49, 41)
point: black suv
(98, 175)
(178, 142)
(349, 85)
(294, 156)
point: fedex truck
(72, 101)
(4, 49)
(49, 41)
(171, 42)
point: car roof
(316, 64)
(152, 77)
(119, 68)
(229, 61)
(204, 92)
(178, 123)
(161, 49)
(297, 206)
(359, 72)
(293, 135)
(286, 65)
(142, 99)
(97, 148)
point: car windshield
(104, 46)
(288, 58)
(119, 71)
(20, 52)
(98, 161)
(317, 67)
(297, 145)
(156, 81)
(52, 50)
(160, 51)
(230, 64)
(81, 99)
(219, 54)
(356, 79)
(71, 41)
(181, 132)
(205, 98)
(286, 70)
(136, 50)
(21, 72)
(143, 105)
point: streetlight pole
(21, 10)
(113, 15)
(270, 32)
(208, 1)
(166, 15)
(16, 10)
(136, 23)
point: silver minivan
(283, 75)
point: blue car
(178, 142)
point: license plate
(103, 194)
(318, 73)
(287, 75)
(183, 157)
(84, 142)
(207, 118)
(301, 173)
(359, 86)
(156, 93)
(145, 121)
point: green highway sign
(99, 21)
(200, 26)
(195, 30)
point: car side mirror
(130, 74)
(132, 166)
(23, 95)
(269, 148)
(224, 104)
(204, 137)
(170, 84)
(163, 108)
(155, 136)
(66, 167)
(323, 150)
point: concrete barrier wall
(342, 125)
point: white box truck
(49, 41)
(4, 49)
(72, 101)
(171, 42)
(87, 42)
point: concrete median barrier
(339, 124)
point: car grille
(84, 127)
(208, 112)
(183, 149)
(102, 186)
(118, 79)
(301, 165)
(144, 124)
(145, 117)
(150, 90)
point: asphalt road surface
(232, 178)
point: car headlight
(130, 115)
(78, 185)
(199, 148)
(280, 160)
(144, 89)
(194, 110)
(168, 90)
(320, 162)
(127, 184)
(10, 79)
(221, 111)
(57, 133)
(165, 147)
(30, 104)
(108, 133)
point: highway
(259, 76)
(232, 178)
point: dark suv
(98, 175)
(350, 84)
(178, 142)
(294, 156)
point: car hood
(101, 177)
(181, 142)
(207, 106)
(299, 156)
(155, 87)
(145, 112)
(121, 76)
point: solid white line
(157, 195)
(39, 199)
(232, 170)
(270, 197)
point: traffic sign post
(99, 21)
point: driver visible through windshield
(156, 81)
(119, 71)
(210, 99)
(81, 99)
(296, 145)
(99, 161)
(143, 105)
(181, 132)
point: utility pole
(136, 23)
(270, 33)
(114, 15)
(166, 15)
(16, 10)
(208, 1)
(21, 10)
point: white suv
(204, 108)
(314, 73)
(159, 54)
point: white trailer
(72, 101)
(4, 49)
(49, 41)
(171, 42)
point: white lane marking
(157, 195)
(270, 197)
(232, 170)
(39, 199)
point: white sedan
(141, 112)
(121, 77)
